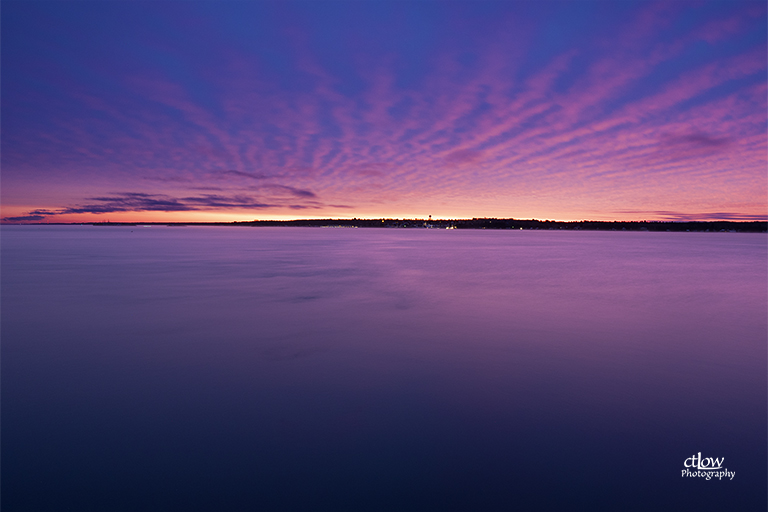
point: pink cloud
(492, 130)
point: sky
(229, 111)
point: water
(236, 368)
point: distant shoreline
(478, 223)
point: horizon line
(383, 219)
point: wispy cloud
(699, 216)
(25, 218)
(231, 173)
(143, 202)
(492, 116)
(169, 179)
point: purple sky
(243, 110)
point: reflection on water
(236, 368)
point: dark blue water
(228, 369)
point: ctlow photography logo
(709, 468)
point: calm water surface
(234, 368)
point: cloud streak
(143, 202)
(489, 117)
